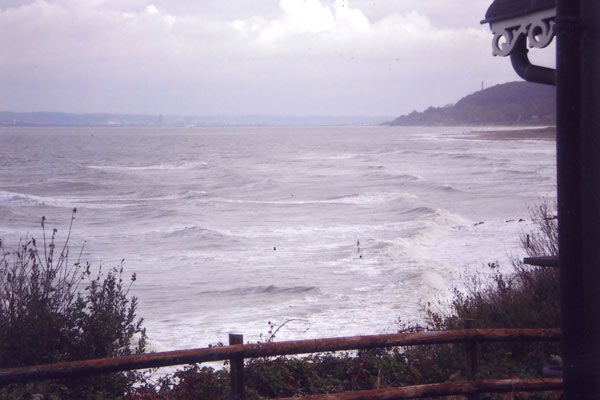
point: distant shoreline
(546, 134)
(45, 119)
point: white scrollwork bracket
(538, 28)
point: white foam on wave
(186, 165)
(96, 202)
(260, 290)
(323, 157)
(182, 195)
(65, 202)
(354, 198)
(189, 232)
(420, 236)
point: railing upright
(236, 373)
(471, 358)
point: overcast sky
(226, 57)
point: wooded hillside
(513, 103)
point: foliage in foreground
(526, 299)
(53, 309)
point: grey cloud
(288, 56)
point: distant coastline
(513, 103)
(60, 119)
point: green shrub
(527, 298)
(53, 310)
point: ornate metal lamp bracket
(537, 28)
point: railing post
(470, 358)
(236, 371)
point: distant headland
(513, 103)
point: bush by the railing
(54, 308)
(288, 376)
(528, 298)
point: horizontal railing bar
(444, 389)
(542, 261)
(221, 353)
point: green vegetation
(101, 321)
(513, 103)
(53, 310)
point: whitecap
(185, 165)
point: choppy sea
(344, 230)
